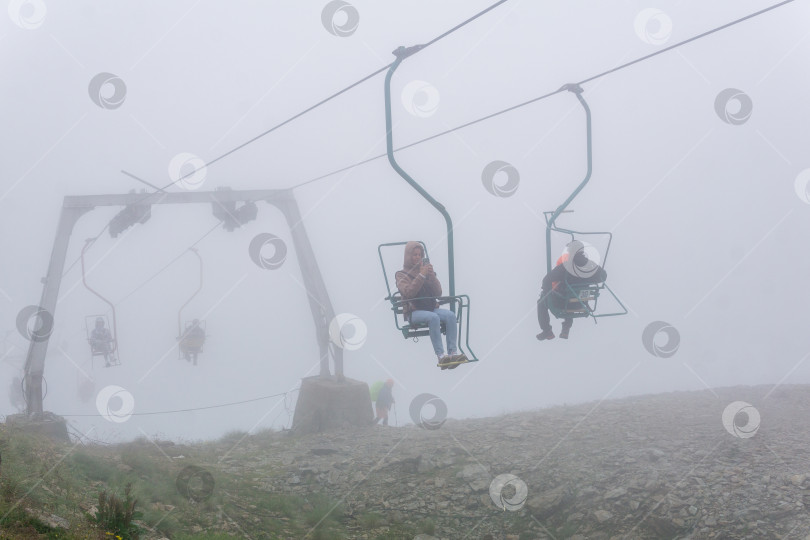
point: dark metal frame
(573, 291)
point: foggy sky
(709, 230)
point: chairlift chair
(107, 348)
(457, 303)
(189, 341)
(460, 303)
(578, 300)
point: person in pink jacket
(418, 284)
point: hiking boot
(545, 334)
(564, 333)
(457, 359)
(444, 360)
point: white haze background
(710, 234)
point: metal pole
(199, 288)
(73, 207)
(401, 54)
(35, 361)
(317, 295)
(87, 244)
(577, 90)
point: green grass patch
(427, 526)
(371, 520)
(205, 536)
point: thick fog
(706, 196)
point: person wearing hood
(581, 270)
(384, 401)
(417, 283)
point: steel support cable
(478, 120)
(302, 113)
(191, 409)
(167, 265)
(548, 95)
(340, 92)
(74, 263)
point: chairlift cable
(312, 107)
(461, 126)
(79, 258)
(547, 95)
(191, 409)
(167, 265)
(684, 42)
(107, 226)
(340, 92)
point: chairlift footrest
(448, 365)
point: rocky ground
(662, 466)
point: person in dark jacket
(384, 401)
(192, 341)
(101, 341)
(574, 269)
(417, 282)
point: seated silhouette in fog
(192, 340)
(101, 341)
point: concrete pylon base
(46, 423)
(326, 404)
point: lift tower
(137, 209)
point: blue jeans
(434, 319)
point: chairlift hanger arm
(574, 233)
(401, 53)
(547, 215)
(580, 308)
(576, 89)
(87, 244)
(199, 288)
